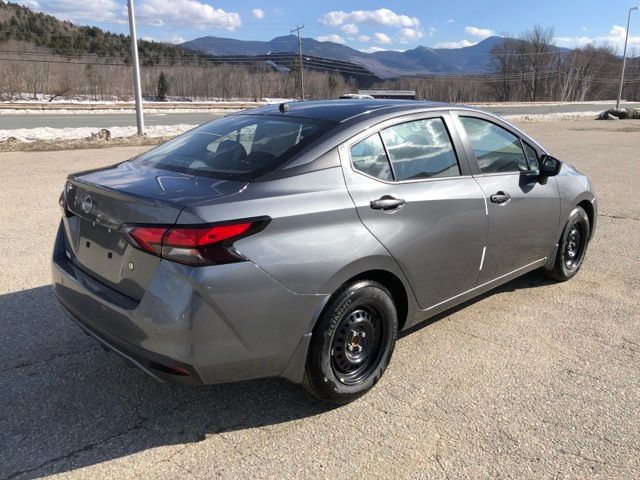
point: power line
(472, 79)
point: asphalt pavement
(533, 380)
(100, 120)
(114, 119)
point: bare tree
(505, 66)
(537, 56)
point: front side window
(420, 149)
(496, 149)
(532, 156)
(238, 147)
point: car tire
(572, 246)
(352, 343)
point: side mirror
(549, 166)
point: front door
(415, 195)
(523, 211)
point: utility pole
(624, 57)
(136, 68)
(297, 29)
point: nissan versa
(297, 240)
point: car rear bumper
(195, 325)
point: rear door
(411, 185)
(523, 211)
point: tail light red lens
(195, 237)
(197, 246)
(149, 238)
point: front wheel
(572, 246)
(352, 342)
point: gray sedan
(297, 240)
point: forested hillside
(63, 38)
(42, 57)
(46, 58)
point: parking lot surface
(533, 380)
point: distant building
(397, 94)
(356, 96)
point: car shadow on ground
(530, 280)
(65, 403)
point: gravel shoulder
(533, 380)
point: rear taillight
(62, 200)
(193, 245)
(148, 238)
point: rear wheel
(572, 246)
(352, 342)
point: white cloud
(615, 39)
(79, 11)
(364, 38)
(175, 39)
(33, 4)
(186, 12)
(382, 16)
(584, 29)
(451, 20)
(479, 32)
(574, 41)
(257, 13)
(382, 37)
(410, 34)
(331, 38)
(460, 44)
(349, 28)
(372, 49)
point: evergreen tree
(163, 87)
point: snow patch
(76, 133)
(128, 111)
(551, 117)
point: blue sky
(367, 26)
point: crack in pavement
(72, 453)
(53, 358)
(618, 217)
(139, 425)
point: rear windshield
(239, 147)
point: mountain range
(385, 64)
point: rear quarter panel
(315, 240)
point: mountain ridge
(474, 59)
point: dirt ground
(533, 380)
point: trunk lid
(99, 201)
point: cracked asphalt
(533, 380)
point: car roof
(341, 110)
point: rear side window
(420, 149)
(496, 149)
(239, 147)
(368, 156)
(408, 151)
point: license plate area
(101, 250)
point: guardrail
(130, 106)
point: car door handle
(500, 197)
(386, 202)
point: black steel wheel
(357, 345)
(352, 342)
(572, 246)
